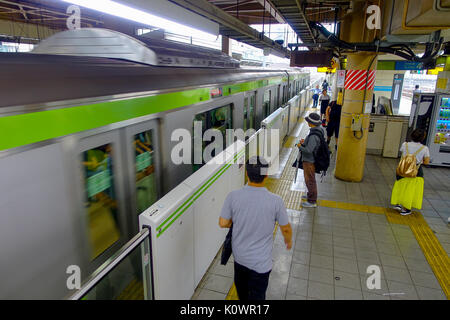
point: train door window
(249, 112)
(146, 180)
(278, 96)
(252, 110)
(245, 114)
(101, 198)
(266, 104)
(219, 119)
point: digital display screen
(216, 92)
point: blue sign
(408, 65)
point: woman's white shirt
(413, 147)
(324, 97)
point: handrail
(109, 264)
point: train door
(103, 195)
(143, 173)
(220, 119)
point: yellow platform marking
(134, 291)
(289, 142)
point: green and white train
(85, 142)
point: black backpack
(321, 155)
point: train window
(146, 184)
(252, 111)
(249, 112)
(245, 114)
(266, 103)
(101, 203)
(220, 119)
(278, 96)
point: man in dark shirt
(308, 148)
(333, 116)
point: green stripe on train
(24, 129)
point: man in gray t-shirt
(253, 212)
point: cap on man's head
(314, 119)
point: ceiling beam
(227, 21)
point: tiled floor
(334, 247)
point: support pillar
(226, 45)
(351, 153)
(352, 145)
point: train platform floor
(351, 229)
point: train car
(86, 123)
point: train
(86, 142)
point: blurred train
(85, 142)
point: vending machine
(431, 112)
(439, 140)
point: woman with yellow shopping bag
(408, 189)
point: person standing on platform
(407, 192)
(308, 148)
(333, 116)
(315, 97)
(325, 85)
(253, 212)
(324, 99)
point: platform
(351, 229)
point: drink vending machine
(431, 112)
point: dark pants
(315, 100)
(323, 106)
(250, 285)
(309, 172)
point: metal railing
(139, 268)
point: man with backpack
(315, 157)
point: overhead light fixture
(129, 13)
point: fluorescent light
(122, 11)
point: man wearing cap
(308, 147)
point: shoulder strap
(420, 149)
(316, 133)
(406, 145)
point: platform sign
(340, 78)
(408, 65)
(396, 93)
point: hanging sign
(340, 78)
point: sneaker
(398, 207)
(307, 204)
(405, 212)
